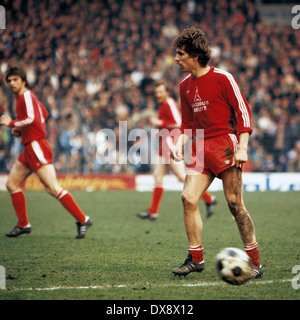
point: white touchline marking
(200, 284)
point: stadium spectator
(92, 51)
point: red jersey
(169, 113)
(31, 116)
(215, 103)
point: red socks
(67, 200)
(253, 253)
(197, 253)
(207, 197)
(19, 203)
(251, 250)
(157, 194)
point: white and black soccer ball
(233, 266)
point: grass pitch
(125, 258)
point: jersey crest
(198, 105)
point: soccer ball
(233, 266)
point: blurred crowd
(94, 63)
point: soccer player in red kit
(36, 157)
(212, 100)
(169, 118)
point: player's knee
(11, 187)
(7, 186)
(189, 202)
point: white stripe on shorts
(234, 141)
(38, 152)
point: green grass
(125, 258)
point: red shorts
(167, 143)
(36, 154)
(213, 155)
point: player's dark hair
(194, 42)
(15, 71)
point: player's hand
(16, 132)
(177, 154)
(239, 158)
(5, 120)
(156, 122)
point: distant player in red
(212, 100)
(169, 118)
(36, 157)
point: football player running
(36, 157)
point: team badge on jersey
(199, 105)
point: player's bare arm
(241, 155)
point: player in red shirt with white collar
(169, 118)
(36, 157)
(212, 100)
